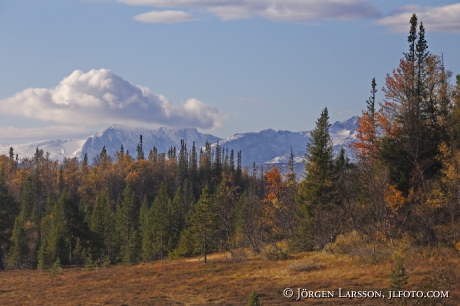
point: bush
(355, 245)
(56, 268)
(304, 266)
(273, 252)
(90, 264)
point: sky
(69, 68)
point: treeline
(120, 209)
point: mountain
(266, 147)
(274, 147)
(58, 149)
(112, 138)
(163, 139)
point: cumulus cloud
(100, 96)
(165, 17)
(435, 19)
(275, 10)
(50, 132)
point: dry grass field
(225, 282)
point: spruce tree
(253, 299)
(127, 226)
(160, 222)
(102, 229)
(317, 192)
(204, 223)
(24, 240)
(145, 222)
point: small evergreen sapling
(398, 276)
(254, 299)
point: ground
(223, 281)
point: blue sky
(72, 67)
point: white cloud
(276, 10)
(48, 132)
(435, 19)
(100, 96)
(164, 17)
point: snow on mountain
(163, 139)
(266, 147)
(273, 147)
(58, 149)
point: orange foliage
(394, 199)
(366, 146)
(273, 185)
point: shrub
(89, 264)
(56, 268)
(106, 263)
(273, 252)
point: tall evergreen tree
(102, 229)
(146, 222)
(127, 226)
(204, 223)
(317, 193)
(160, 222)
(25, 235)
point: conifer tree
(317, 193)
(25, 238)
(127, 226)
(204, 223)
(317, 189)
(366, 146)
(160, 222)
(146, 222)
(102, 229)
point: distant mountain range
(266, 147)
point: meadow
(223, 281)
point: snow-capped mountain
(274, 147)
(163, 139)
(263, 147)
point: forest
(403, 187)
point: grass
(223, 282)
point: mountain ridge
(266, 146)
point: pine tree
(398, 276)
(253, 299)
(102, 228)
(161, 222)
(146, 222)
(25, 238)
(204, 223)
(317, 193)
(318, 189)
(127, 226)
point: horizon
(74, 67)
